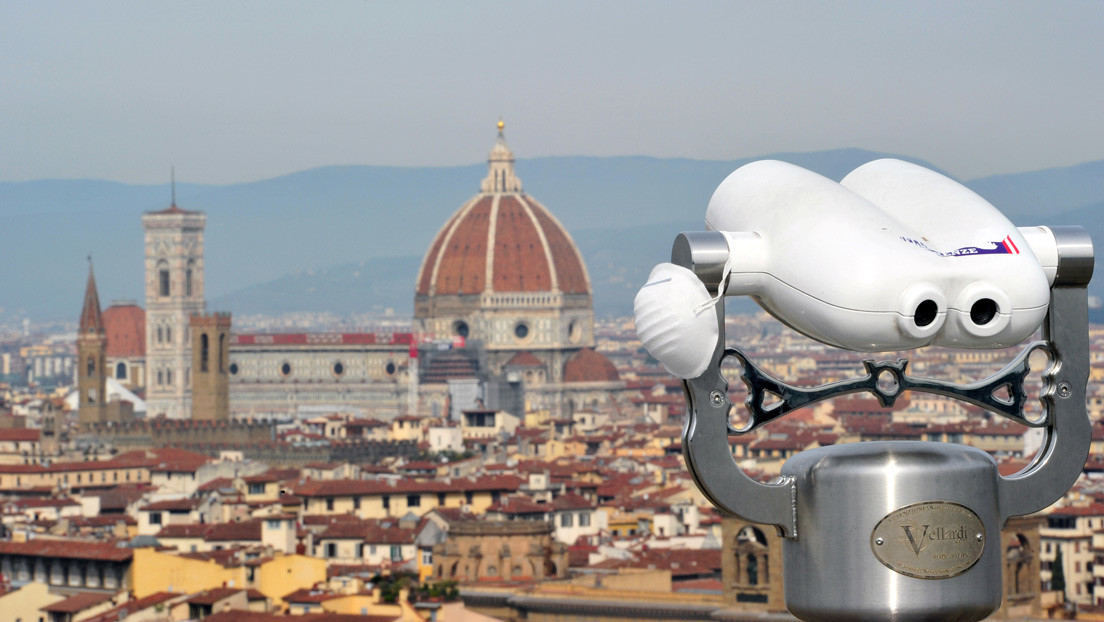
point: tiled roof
(178, 505)
(253, 616)
(309, 596)
(589, 365)
(77, 602)
(67, 549)
(20, 434)
(337, 488)
(370, 531)
(122, 612)
(190, 530)
(524, 358)
(164, 459)
(125, 325)
(510, 238)
(212, 596)
(226, 532)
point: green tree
(1058, 575)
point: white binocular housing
(893, 257)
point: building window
(120, 371)
(155, 518)
(204, 351)
(329, 503)
(188, 278)
(386, 500)
(258, 489)
(413, 501)
(396, 553)
(222, 351)
(469, 497)
(331, 549)
(91, 366)
(356, 503)
(163, 277)
(584, 519)
(440, 498)
(566, 520)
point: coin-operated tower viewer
(893, 257)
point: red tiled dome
(590, 366)
(502, 241)
(125, 327)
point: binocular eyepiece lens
(983, 311)
(926, 313)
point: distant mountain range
(349, 239)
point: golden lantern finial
(501, 124)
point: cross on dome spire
(501, 177)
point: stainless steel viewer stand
(896, 530)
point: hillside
(350, 238)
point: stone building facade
(210, 366)
(751, 566)
(91, 357)
(174, 293)
(505, 275)
(500, 551)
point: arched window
(160, 335)
(188, 278)
(222, 352)
(168, 377)
(168, 334)
(163, 278)
(91, 366)
(120, 371)
(204, 351)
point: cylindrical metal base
(894, 531)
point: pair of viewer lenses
(981, 312)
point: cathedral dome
(502, 241)
(588, 365)
(125, 326)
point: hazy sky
(239, 91)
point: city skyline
(249, 91)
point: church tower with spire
(91, 357)
(174, 293)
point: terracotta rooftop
(68, 549)
(525, 247)
(210, 597)
(77, 602)
(590, 366)
(125, 325)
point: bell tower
(91, 357)
(210, 365)
(174, 293)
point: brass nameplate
(930, 540)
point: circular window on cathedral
(338, 368)
(521, 330)
(285, 369)
(233, 369)
(460, 329)
(390, 368)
